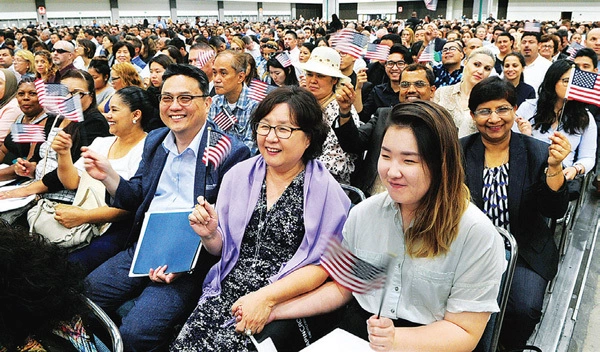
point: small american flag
(217, 148)
(377, 52)
(284, 60)
(26, 133)
(532, 27)
(50, 95)
(428, 53)
(431, 5)
(203, 58)
(584, 86)
(350, 271)
(350, 42)
(71, 108)
(573, 49)
(224, 120)
(258, 90)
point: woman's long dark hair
(575, 117)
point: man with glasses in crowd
(416, 82)
(386, 94)
(451, 69)
(171, 163)
(63, 56)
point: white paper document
(339, 340)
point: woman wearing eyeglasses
(44, 172)
(270, 230)
(518, 182)
(553, 112)
(455, 98)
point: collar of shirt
(242, 102)
(171, 147)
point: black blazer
(530, 200)
(367, 137)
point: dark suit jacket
(530, 200)
(136, 194)
(368, 137)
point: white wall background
(66, 8)
(550, 10)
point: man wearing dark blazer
(416, 82)
(171, 176)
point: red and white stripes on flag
(584, 86)
(284, 59)
(258, 90)
(431, 5)
(428, 54)
(350, 271)
(377, 52)
(204, 57)
(349, 42)
(224, 120)
(71, 108)
(27, 133)
(50, 95)
(217, 148)
(573, 48)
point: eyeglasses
(452, 48)
(282, 132)
(80, 93)
(547, 46)
(60, 51)
(399, 63)
(183, 99)
(502, 111)
(565, 81)
(417, 84)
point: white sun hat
(326, 61)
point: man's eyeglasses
(399, 63)
(183, 99)
(452, 48)
(417, 84)
(547, 46)
(60, 51)
(282, 132)
(502, 111)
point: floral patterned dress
(271, 239)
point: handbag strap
(40, 207)
(85, 196)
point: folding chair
(354, 193)
(491, 334)
(110, 327)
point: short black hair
(492, 88)
(537, 35)
(137, 98)
(420, 67)
(305, 111)
(395, 38)
(588, 52)
(292, 33)
(401, 49)
(188, 71)
(128, 45)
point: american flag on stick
(573, 49)
(350, 271)
(284, 59)
(203, 58)
(50, 95)
(258, 90)
(428, 53)
(350, 42)
(584, 86)
(27, 133)
(377, 52)
(224, 120)
(71, 108)
(217, 148)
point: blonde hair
(27, 56)
(128, 74)
(438, 215)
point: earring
(134, 121)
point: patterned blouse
(271, 239)
(339, 163)
(495, 195)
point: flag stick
(388, 279)
(209, 131)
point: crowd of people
(446, 147)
